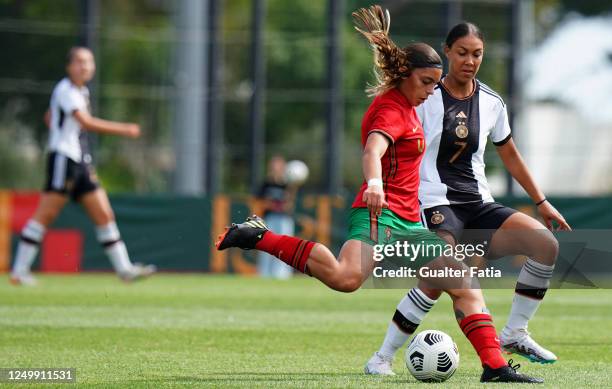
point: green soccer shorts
(389, 228)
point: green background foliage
(135, 80)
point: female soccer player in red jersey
(457, 204)
(70, 173)
(393, 142)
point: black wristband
(541, 202)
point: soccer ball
(296, 172)
(432, 356)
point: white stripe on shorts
(59, 172)
(423, 219)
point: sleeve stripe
(494, 95)
(382, 132)
(503, 141)
(488, 89)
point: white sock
(31, 236)
(408, 315)
(26, 253)
(523, 309)
(118, 255)
(532, 283)
(108, 235)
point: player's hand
(374, 197)
(132, 130)
(550, 214)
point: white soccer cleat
(138, 272)
(521, 343)
(25, 279)
(379, 365)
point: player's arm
(47, 118)
(102, 126)
(515, 164)
(375, 148)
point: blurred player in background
(278, 199)
(393, 144)
(457, 202)
(71, 175)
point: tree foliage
(135, 79)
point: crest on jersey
(437, 217)
(461, 130)
(388, 234)
(420, 145)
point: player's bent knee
(547, 250)
(348, 283)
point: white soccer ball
(432, 356)
(296, 172)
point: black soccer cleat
(507, 374)
(244, 235)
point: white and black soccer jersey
(456, 132)
(69, 170)
(66, 136)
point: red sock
(289, 249)
(480, 331)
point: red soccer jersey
(391, 115)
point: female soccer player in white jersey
(70, 173)
(455, 198)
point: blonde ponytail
(390, 62)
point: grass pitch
(225, 331)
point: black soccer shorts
(473, 223)
(68, 177)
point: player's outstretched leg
(254, 234)
(523, 234)
(344, 274)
